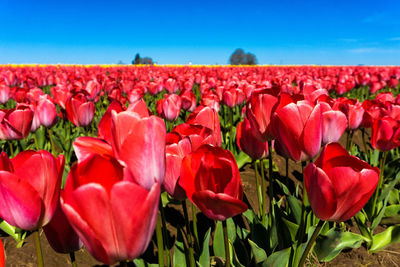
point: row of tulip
(100, 150)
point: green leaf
(390, 236)
(392, 210)
(250, 215)
(258, 253)
(231, 227)
(278, 259)
(242, 158)
(329, 246)
(204, 259)
(295, 207)
(292, 227)
(142, 263)
(179, 258)
(218, 242)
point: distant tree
(144, 60)
(120, 62)
(239, 57)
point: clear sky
(202, 32)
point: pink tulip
(169, 107)
(80, 111)
(298, 130)
(140, 143)
(29, 188)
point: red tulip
(207, 117)
(248, 143)
(60, 234)
(61, 94)
(188, 100)
(140, 143)
(16, 123)
(105, 122)
(259, 110)
(80, 111)
(97, 186)
(174, 155)
(233, 97)
(339, 185)
(29, 188)
(385, 134)
(211, 180)
(298, 130)
(171, 85)
(169, 107)
(197, 134)
(352, 109)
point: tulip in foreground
(338, 185)
(114, 217)
(211, 180)
(29, 188)
(2, 260)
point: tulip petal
(320, 192)
(20, 204)
(85, 146)
(135, 209)
(218, 206)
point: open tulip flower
(16, 123)
(29, 188)
(338, 185)
(211, 180)
(114, 217)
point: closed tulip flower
(248, 142)
(113, 216)
(259, 110)
(338, 185)
(207, 117)
(211, 179)
(47, 111)
(298, 130)
(174, 155)
(140, 143)
(80, 111)
(29, 188)
(16, 123)
(385, 134)
(169, 107)
(60, 234)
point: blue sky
(201, 32)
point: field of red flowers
(199, 166)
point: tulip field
(199, 165)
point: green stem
(380, 182)
(226, 242)
(50, 132)
(311, 243)
(195, 232)
(165, 233)
(188, 235)
(271, 181)
(364, 143)
(263, 192)
(39, 254)
(36, 141)
(259, 197)
(230, 130)
(287, 171)
(73, 260)
(160, 243)
(11, 148)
